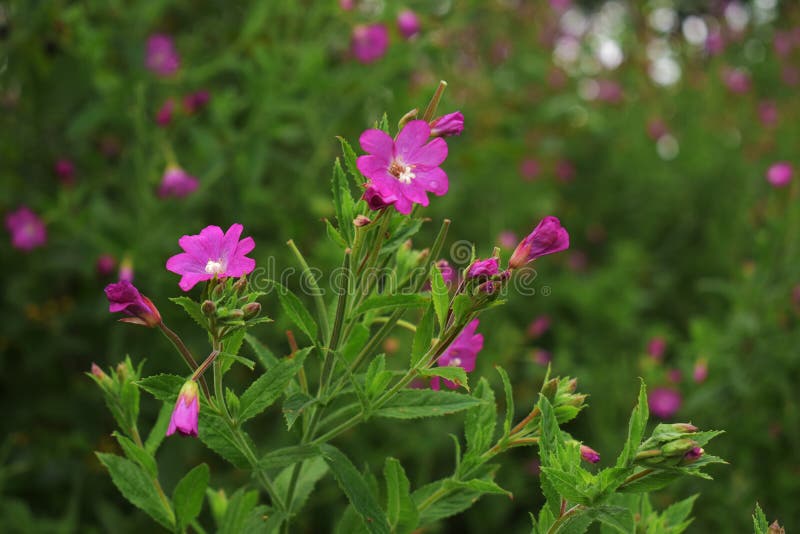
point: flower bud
(550, 388)
(208, 308)
(123, 372)
(447, 125)
(547, 238)
(483, 268)
(775, 528)
(240, 286)
(694, 454)
(590, 455)
(218, 290)
(234, 315)
(678, 447)
(124, 297)
(361, 220)
(251, 310)
(410, 116)
(186, 411)
(100, 375)
(377, 199)
(684, 427)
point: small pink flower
(674, 376)
(462, 352)
(65, 170)
(768, 113)
(529, 169)
(448, 125)
(125, 270)
(449, 274)
(186, 411)
(507, 239)
(700, 371)
(105, 264)
(378, 199)
(27, 229)
(176, 182)
(483, 268)
(161, 56)
(408, 23)
(212, 254)
(694, 454)
(589, 454)
(406, 168)
(541, 357)
(656, 347)
(370, 43)
(539, 326)
(664, 402)
(347, 5)
(125, 298)
(164, 114)
(547, 238)
(780, 174)
(737, 80)
(715, 43)
(194, 102)
(565, 170)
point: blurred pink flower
(656, 347)
(700, 371)
(105, 264)
(449, 274)
(125, 270)
(347, 5)
(565, 170)
(790, 75)
(212, 254)
(768, 112)
(674, 376)
(369, 43)
(462, 352)
(65, 170)
(529, 169)
(541, 357)
(577, 261)
(27, 229)
(185, 414)
(407, 167)
(736, 80)
(656, 128)
(548, 237)
(194, 102)
(783, 43)
(161, 56)
(539, 326)
(164, 114)
(408, 23)
(664, 402)
(780, 174)
(609, 91)
(507, 239)
(176, 182)
(715, 43)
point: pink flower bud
(369, 43)
(377, 199)
(161, 56)
(100, 375)
(124, 297)
(547, 238)
(447, 125)
(164, 114)
(65, 170)
(194, 102)
(408, 23)
(105, 264)
(694, 454)
(737, 80)
(780, 174)
(27, 229)
(539, 326)
(483, 268)
(186, 411)
(590, 455)
(178, 183)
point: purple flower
(547, 238)
(105, 264)
(449, 274)
(176, 182)
(378, 199)
(26, 228)
(737, 80)
(187, 408)
(408, 23)
(541, 357)
(447, 125)
(194, 102)
(161, 57)
(370, 43)
(212, 254)
(664, 402)
(768, 112)
(65, 170)
(406, 168)
(529, 169)
(462, 352)
(539, 326)
(700, 371)
(589, 454)
(487, 267)
(780, 174)
(656, 347)
(125, 298)
(694, 454)
(507, 239)
(164, 114)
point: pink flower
(370, 43)
(212, 254)
(656, 347)
(406, 168)
(674, 376)
(507, 239)
(462, 352)
(448, 125)
(347, 5)
(790, 75)
(547, 238)
(715, 43)
(541, 357)
(186, 411)
(737, 80)
(164, 114)
(65, 170)
(565, 170)
(176, 182)
(589, 454)
(125, 298)
(26, 228)
(125, 270)
(539, 326)
(694, 454)
(194, 102)
(408, 23)
(700, 371)
(449, 274)
(609, 91)
(483, 268)
(783, 43)
(161, 56)
(529, 169)
(768, 113)
(664, 402)
(378, 199)
(105, 264)
(780, 174)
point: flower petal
(378, 143)
(230, 242)
(430, 155)
(433, 180)
(372, 166)
(413, 136)
(184, 263)
(189, 280)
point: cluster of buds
(671, 445)
(120, 391)
(230, 305)
(561, 393)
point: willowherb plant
(337, 379)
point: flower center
(401, 171)
(455, 362)
(214, 267)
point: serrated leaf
(454, 502)
(356, 489)
(453, 373)
(286, 456)
(509, 399)
(261, 351)
(349, 156)
(134, 484)
(343, 202)
(159, 430)
(440, 296)
(334, 234)
(215, 432)
(461, 306)
(567, 485)
(391, 302)
(294, 308)
(481, 420)
(401, 511)
(164, 387)
(376, 378)
(650, 482)
(192, 309)
(267, 388)
(311, 471)
(760, 523)
(294, 406)
(618, 518)
(679, 512)
(188, 495)
(240, 506)
(417, 403)
(422, 337)
(138, 455)
(480, 485)
(231, 345)
(636, 427)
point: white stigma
(455, 362)
(406, 175)
(214, 267)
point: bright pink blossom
(462, 352)
(448, 125)
(123, 297)
(212, 254)
(664, 402)
(406, 168)
(176, 182)
(483, 268)
(378, 198)
(161, 56)
(589, 454)
(186, 411)
(547, 238)
(370, 43)
(27, 229)
(780, 174)
(408, 23)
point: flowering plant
(337, 378)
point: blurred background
(663, 133)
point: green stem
(184, 351)
(137, 439)
(319, 302)
(401, 323)
(434, 103)
(555, 527)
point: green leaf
(454, 502)
(452, 373)
(461, 306)
(159, 430)
(679, 512)
(267, 388)
(396, 301)
(616, 517)
(286, 456)
(192, 308)
(343, 202)
(356, 489)
(384, 124)
(297, 312)
(760, 523)
(294, 406)
(137, 454)
(134, 484)
(567, 485)
(218, 436)
(422, 337)
(401, 511)
(357, 339)
(232, 344)
(636, 428)
(264, 355)
(163, 387)
(376, 378)
(440, 296)
(481, 485)
(509, 399)
(311, 471)
(417, 403)
(651, 482)
(349, 156)
(481, 420)
(334, 234)
(188, 495)
(240, 506)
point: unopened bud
(571, 386)
(208, 307)
(361, 220)
(235, 315)
(685, 427)
(678, 447)
(216, 293)
(574, 400)
(100, 374)
(251, 310)
(694, 454)
(240, 285)
(589, 454)
(550, 388)
(123, 372)
(410, 116)
(775, 528)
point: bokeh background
(648, 127)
